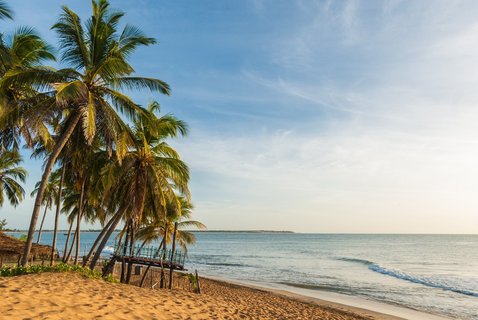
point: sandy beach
(72, 296)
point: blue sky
(312, 116)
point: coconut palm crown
(10, 172)
(88, 93)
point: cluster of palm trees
(106, 158)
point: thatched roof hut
(10, 246)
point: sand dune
(72, 296)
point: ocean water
(437, 274)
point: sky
(310, 116)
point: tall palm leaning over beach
(10, 172)
(88, 93)
(150, 172)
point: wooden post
(172, 256)
(198, 289)
(151, 279)
(123, 265)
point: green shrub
(62, 267)
(193, 280)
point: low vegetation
(62, 267)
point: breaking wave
(423, 280)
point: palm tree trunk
(144, 276)
(78, 220)
(57, 214)
(41, 224)
(173, 248)
(125, 251)
(117, 219)
(77, 239)
(161, 244)
(163, 257)
(141, 248)
(120, 240)
(97, 241)
(67, 242)
(67, 259)
(75, 118)
(130, 264)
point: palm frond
(5, 11)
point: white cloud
(399, 150)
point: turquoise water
(437, 274)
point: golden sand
(72, 296)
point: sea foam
(443, 284)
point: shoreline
(70, 295)
(351, 304)
(52, 294)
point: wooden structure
(156, 257)
(146, 256)
(12, 248)
(150, 256)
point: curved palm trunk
(67, 259)
(78, 220)
(57, 215)
(41, 224)
(77, 239)
(161, 244)
(120, 240)
(41, 189)
(117, 219)
(144, 276)
(97, 241)
(67, 242)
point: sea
(432, 274)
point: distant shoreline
(199, 231)
(369, 309)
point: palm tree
(88, 92)
(163, 228)
(175, 221)
(9, 173)
(51, 192)
(150, 173)
(24, 50)
(57, 213)
(81, 200)
(5, 12)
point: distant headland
(201, 231)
